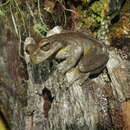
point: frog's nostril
(27, 51)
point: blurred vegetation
(39, 15)
(92, 15)
(121, 25)
(2, 125)
(23, 15)
(30, 17)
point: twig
(39, 11)
(31, 12)
(21, 15)
(4, 3)
(67, 9)
(13, 19)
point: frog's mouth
(35, 60)
(42, 56)
(38, 60)
(39, 55)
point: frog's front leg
(63, 53)
(70, 56)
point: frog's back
(80, 38)
(68, 36)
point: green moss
(100, 7)
(97, 7)
(2, 14)
(91, 16)
(90, 19)
(39, 28)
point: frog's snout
(30, 49)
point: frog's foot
(73, 75)
(84, 77)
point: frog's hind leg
(91, 63)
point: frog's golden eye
(45, 47)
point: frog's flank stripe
(65, 49)
(86, 50)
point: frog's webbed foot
(83, 78)
(74, 75)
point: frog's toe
(73, 75)
(83, 79)
(81, 82)
(60, 70)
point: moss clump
(40, 29)
(92, 16)
(97, 7)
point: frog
(80, 54)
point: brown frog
(81, 55)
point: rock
(119, 72)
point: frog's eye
(45, 47)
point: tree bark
(13, 76)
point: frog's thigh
(84, 63)
(91, 62)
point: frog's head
(43, 50)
